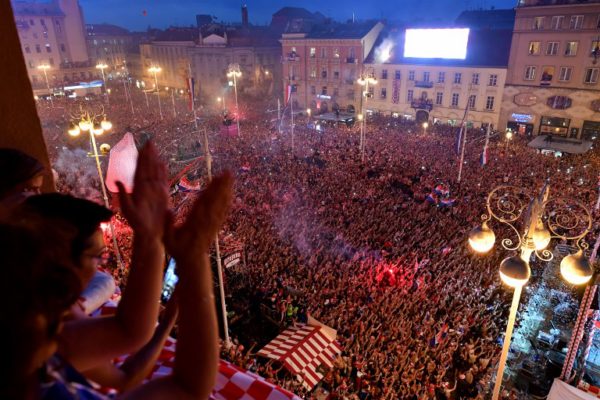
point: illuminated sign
(525, 99)
(436, 43)
(323, 96)
(522, 117)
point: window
(384, 74)
(409, 95)
(530, 73)
(591, 75)
(38, 49)
(43, 22)
(31, 64)
(48, 49)
(489, 103)
(576, 22)
(426, 76)
(547, 74)
(598, 23)
(324, 74)
(27, 49)
(441, 77)
(571, 48)
(313, 72)
(557, 21)
(336, 53)
(62, 47)
(493, 81)
(351, 53)
(383, 93)
(397, 74)
(472, 99)
(324, 90)
(475, 79)
(323, 52)
(411, 75)
(538, 23)
(552, 49)
(439, 97)
(31, 22)
(313, 90)
(595, 50)
(336, 74)
(564, 74)
(534, 48)
(454, 99)
(336, 92)
(457, 78)
(313, 52)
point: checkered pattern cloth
(233, 383)
(302, 350)
(586, 387)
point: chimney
(245, 16)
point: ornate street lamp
(155, 70)
(234, 72)
(365, 80)
(544, 219)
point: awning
(557, 143)
(303, 349)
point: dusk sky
(163, 13)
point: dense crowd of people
(355, 244)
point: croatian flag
(484, 157)
(288, 94)
(459, 140)
(191, 85)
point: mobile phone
(170, 280)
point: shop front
(554, 126)
(521, 124)
(590, 130)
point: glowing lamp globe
(576, 269)
(482, 238)
(105, 148)
(106, 125)
(85, 125)
(74, 131)
(98, 131)
(514, 271)
(541, 237)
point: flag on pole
(288, 94)
(484, 157)
(484, 154)
(458, 140)
(191, 85)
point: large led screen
(436, 43)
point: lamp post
(222, 101)
(91, 123)
(101, 67)
(155, 70)
(365, 80)
(172, 90)
(544, 220)
(308, 112)
(425, 126)
(44, 68)
(234, 72)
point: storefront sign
(522, 117)
(525, 99)
(232, 259)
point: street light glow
(101, 66)
(154, 69)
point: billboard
(436, 43)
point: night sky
(163, 13)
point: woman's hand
(192, 239)
(146, 208)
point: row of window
(38, 48)
(558, 22)
(32, 64)
(553, 48)
(439, 99)
(335, 52)
(441, 77)
(564, 74)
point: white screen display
(436, 43)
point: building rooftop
(177, 34)
(341, 31)
(538, 3)
(294, 12)
(487, 19)
(42, 9)
(485, 48)
(105, 30)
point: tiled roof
(487, 19)
(485, 48)
(294, 12)
(341, 31)
(105, 30)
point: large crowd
(355, 244)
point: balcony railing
(350, 60)
(422, 104)
(292, 57)
(424, 84)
